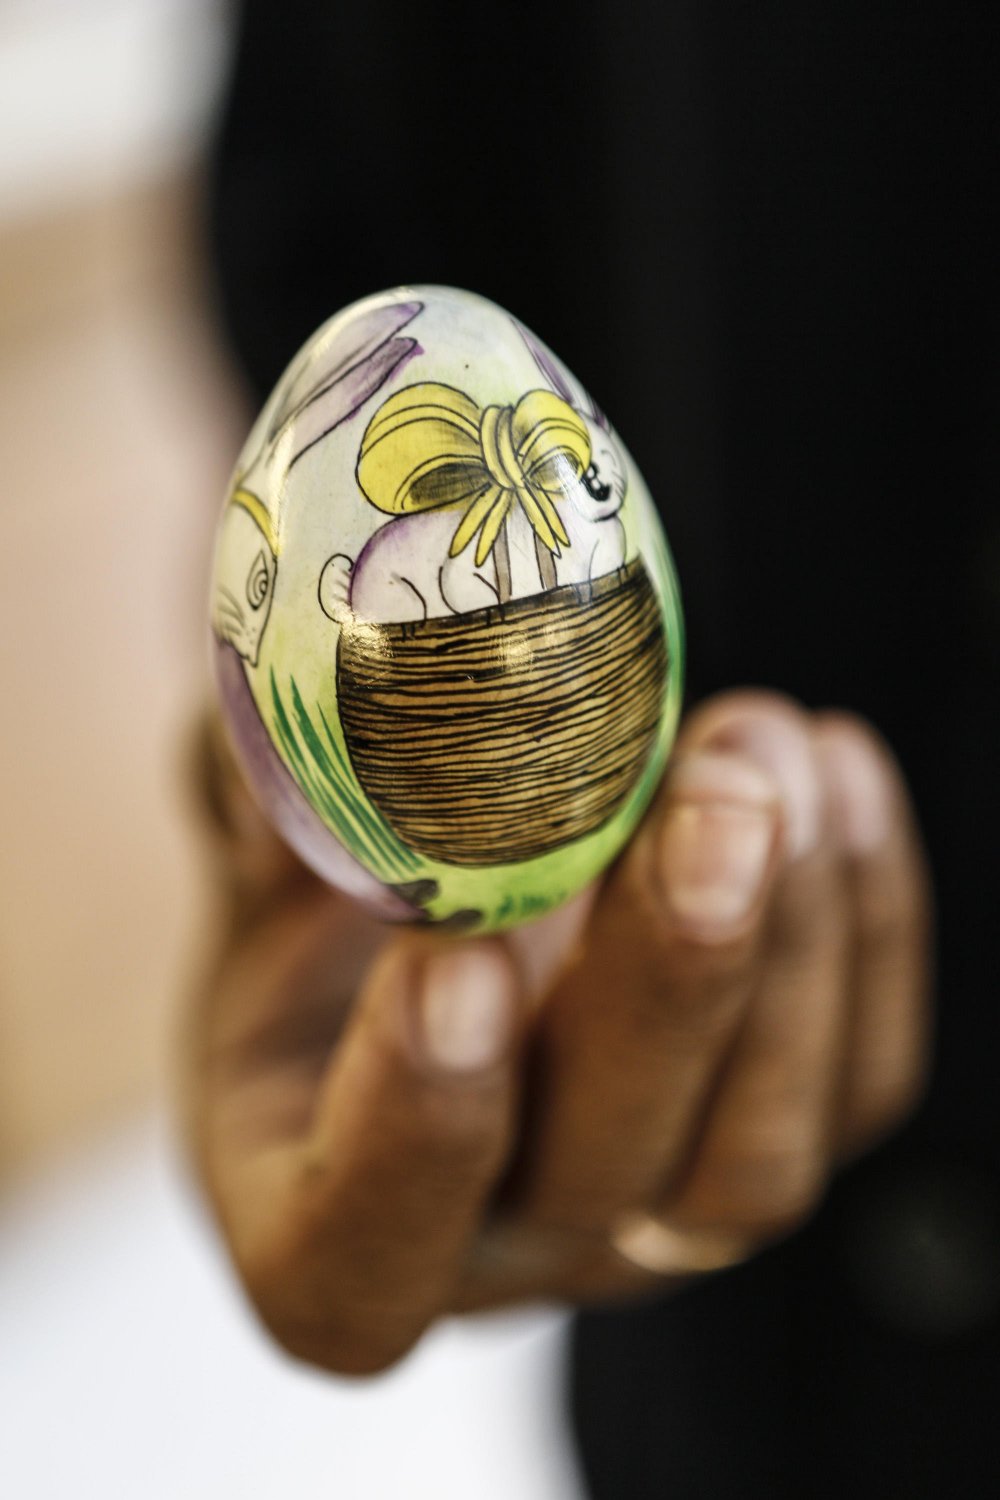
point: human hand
(655, 1081)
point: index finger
(634, 1032)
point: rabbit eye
(258, 582)
(594, 485)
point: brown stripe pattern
(498, 735)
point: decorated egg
(447, 629)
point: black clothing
(762, 235)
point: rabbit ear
(596, 414)
(336, 354)
(559, 382)
(546, 364)
(345, 395)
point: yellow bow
(430, 446)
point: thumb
(352, 1231)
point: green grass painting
(319, 764)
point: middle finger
(633, 1033)
(765, 1148)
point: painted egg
(447, 629)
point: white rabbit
(405, 571)
(336, 374)
(591, 519)
(595, 530)
(244, 579)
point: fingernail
(859, 801)
(713, 859)
(782, 749)
(466, 1010)
(707, 776)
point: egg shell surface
(447, 628)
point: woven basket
(495, 736)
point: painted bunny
(331, 382)
(597, 535)
(551, 524)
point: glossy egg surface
(448, 636)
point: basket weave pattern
(493, 737)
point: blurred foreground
(117, 426)
(130, 1369)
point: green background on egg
(319, 511)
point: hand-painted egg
(447, 628)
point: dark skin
(654, 1082)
